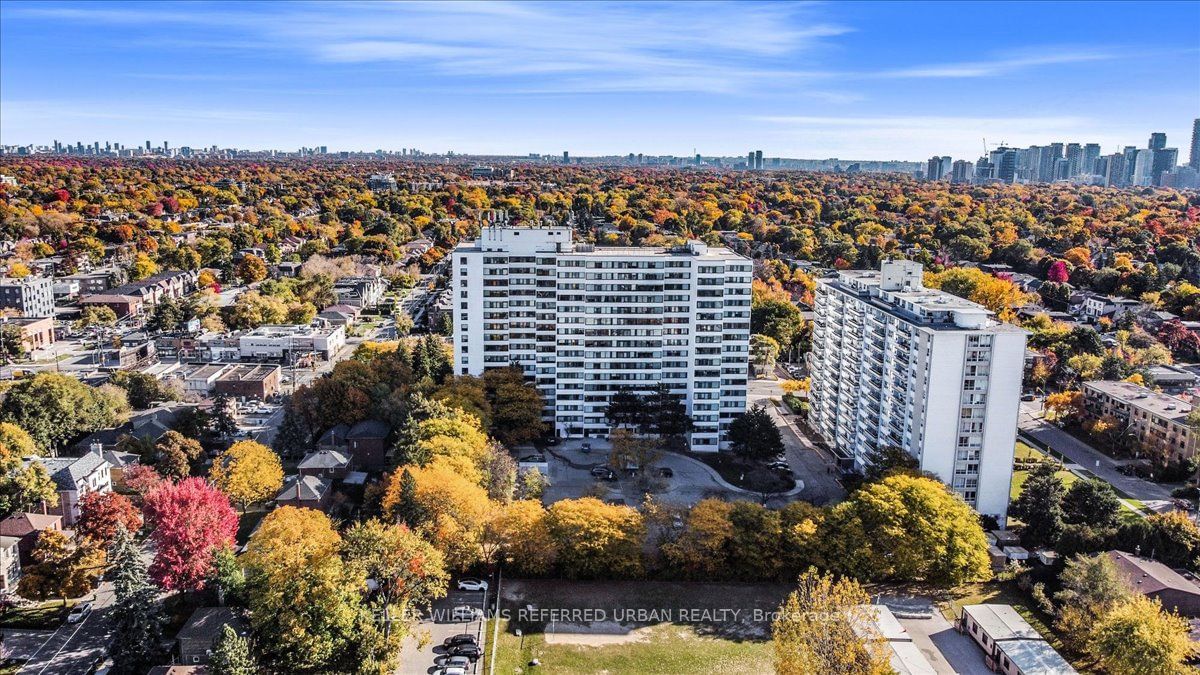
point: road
(75, 648)
(813, 467)
(1155, 496)
(437, 623)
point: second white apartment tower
(897, 364)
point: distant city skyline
(857, 81)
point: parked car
(779, 465)
(551, 441)
(81, 612)
(603, 473)
(452, 670)
(666, 472)
(465, 613)
(453, 661)
(471, 651)
(469, 584)
(586, 447)
(460, 639)
(1028, 397)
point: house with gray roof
(329, 464)
(1158, 582)
(308, 492)
(197, 637)
(75, 477)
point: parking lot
(437, 625)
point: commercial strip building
(1153, 418)
(897, 364)
(289, 342)
(584, 322)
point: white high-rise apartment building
(584, 322)
(897, 364)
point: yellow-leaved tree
(826, 626)
(248, 472)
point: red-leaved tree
(142, 479)
(1058, 272)
(100, 514)
(191, 521)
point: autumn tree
(410, 572)
(304, 601)
(1136, 637)
(175, 454)
(826, 626)
(1065, 405)
(101, 515)
(515, 404)
(250, 269)
(908, 528)
(62, 568)
(17, 442)
(523, 537)
(191, 520)
(23, 487)
(452, 508)
(1091, 586)
(248, 472)
(701, 551)
(596, 540)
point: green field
(664, 649)
(684, 627)
(1019, 476)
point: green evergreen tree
(137, 616)
(223, 424)
(294, 439)
(1040, 506)
(410, 510)
(231, 655)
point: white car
(80, 612)
(465, 613)
(453, 670)
(472, 585)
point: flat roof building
(1011, 645)
(1154, 419)
(897, 364)
(583, 322)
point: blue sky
(852, 80)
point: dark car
(586, 447)
(471, 651)
(459, 640)
(604, 473)
(552, 441)
(666, 472)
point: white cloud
(998, 66)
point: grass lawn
(1019, 476)
(647, 627)
(47, 615)
(11, 667)
(664, 649)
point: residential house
(364, 291)
(306, 491)
(1158, 582)
(10, 563)
(1094, 306)
(25, 528)
(340, 315)
(365, 442)
(328, 464)
(196, 639)
(75, 477)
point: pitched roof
(324, 459)
(66, 472)
(1148, 576)
(303, 488)
(21, 524)
(369, 429)
(206, 623)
